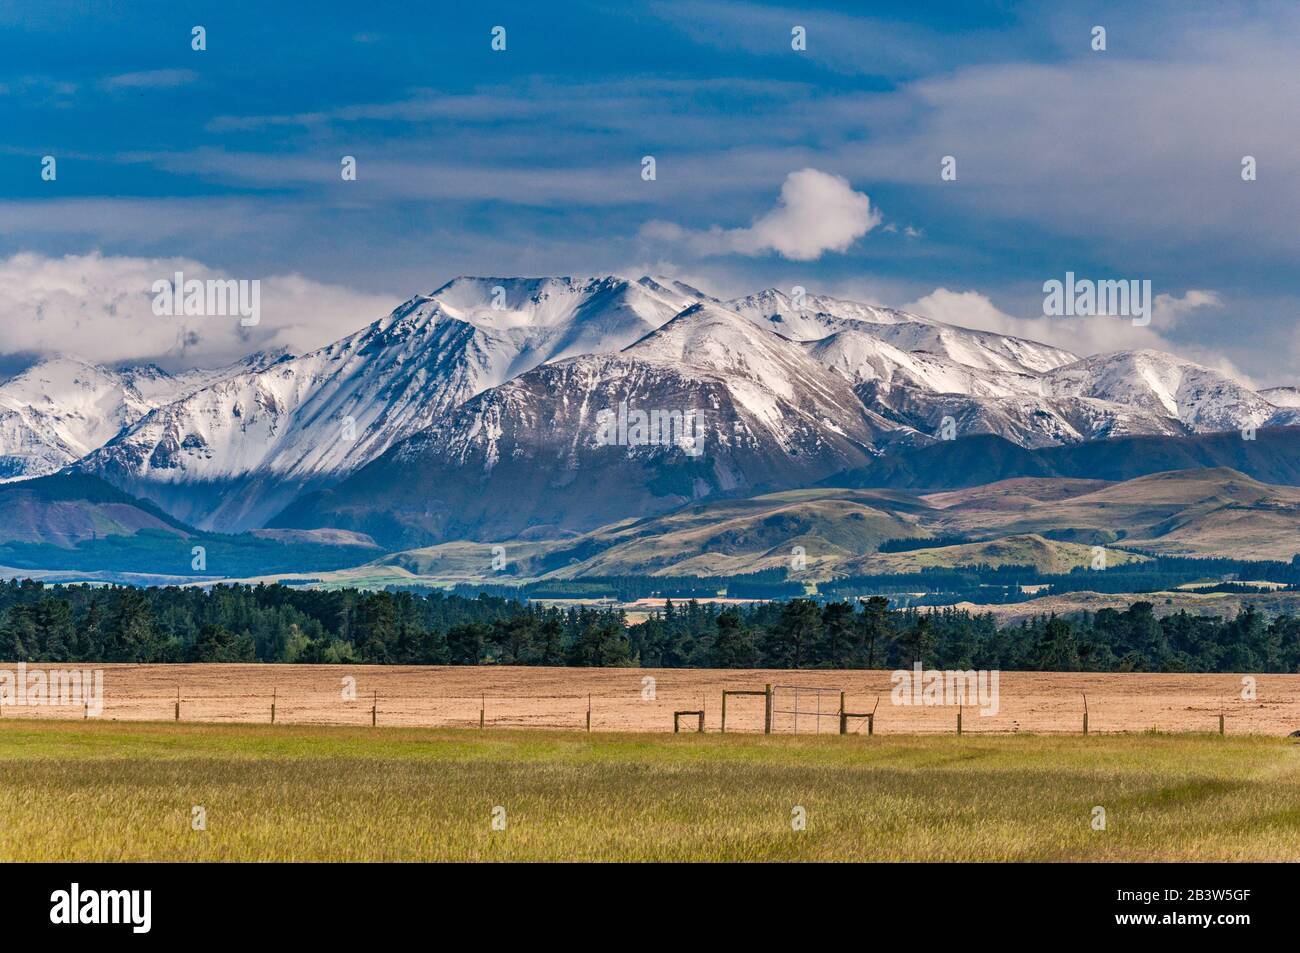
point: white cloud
(100, 308)
(967, 309)
(151, 79)
(1080, 335)
(1170, 309)
(817, 212)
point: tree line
(272, 623)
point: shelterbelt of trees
(40, 623)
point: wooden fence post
(959, 719)
(767, 710)
(274, 692)
(724, 711)
(871, 723)
(1220, 723)
(677, 720)
(178, 703)
(1085, 712)
(374, 710)
(588, 711)
(844, 719)
(482, 711)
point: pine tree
(733, 643)
(465, 643)
(52, 620)
(601, 644)
(17, 635)
(874, 628)
(790, 641)
(216, 643)
(551, 642)
(376, 627)
(835, 646)
(918, 640)
(131, 636)
(1056, 650)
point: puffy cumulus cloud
(1079, 335)
(101, 308)
(1170, 309)
(816, 213)
(967, 309)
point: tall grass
(114, 791)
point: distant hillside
(1045, 555)
(1272, 457)
(64, 509)
(821, 527)
(77, 526)
(1206, 512)
(1015, 493)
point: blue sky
(1124, 163)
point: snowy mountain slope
(1281, 396)
(920, 390)
(1121, 394)
(819, 316)
(672, 289)
(822, 315)
(229, 455)
(861, 356)
(1026, 420)
(529, 455)
(57, 411)
(761, 369)
(982, 350)
(1156, 384)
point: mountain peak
(758, 364)
(506, 304)
(704, 335)
(670, 288)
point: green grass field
(113, 791)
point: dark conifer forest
(272, 623)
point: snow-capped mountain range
(492, 385)
(55, 412)
(529, 455)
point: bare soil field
(631, 699)
(1225, 605)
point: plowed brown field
(645, 699)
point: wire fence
(818, 706)
(1110, 704)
